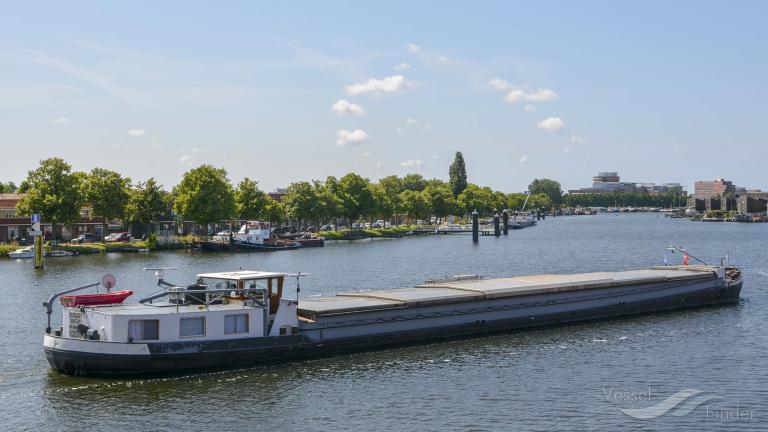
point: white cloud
(400, 130)
(516, 94)
(136, 132)
(426, 127)
(367, 154)
(343, 107)
(576, 140)
(567, 149)
(539, 95)
(184, 158)
(443, 59)
(413, 163)
(386, 85)
(529, 108)
(379, 164)
(524, 159)
(499, 84)
(61, 120)
(411, 121)
(344, 137)
(413, 48)
(551, 124)
(402, 67)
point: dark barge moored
(239, 319)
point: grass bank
(357, 234)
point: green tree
(302, 201)
(107, 192)
(476, 198)
(147, 203)
(540, 201)
(53, 191)
(457, 174)
(330, 200)
(414, 182)
(274, 211)
(356, 196)
(249, 200)
(391, 186)
(205, 195)
(416, 205)
(547, 186)
(384, 205)
(441, 200)
(9, 187)
(515, 201)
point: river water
(575, 377)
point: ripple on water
(544, 379)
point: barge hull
(164, 358)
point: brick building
(14, 226)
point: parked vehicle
(119, 237)
(84, 238)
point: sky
(668, 91)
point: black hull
(175, 358)
(245, 247)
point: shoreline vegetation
(205, 200)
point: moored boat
(252, 237)
(25, 252)
(242, 318)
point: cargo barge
(242, 319)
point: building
(723, 195)
(708, 189)
(278, 194)
(607, 182)
(14, 227)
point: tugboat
(242, 318)
(252, 237)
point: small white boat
(58, 253)
(25, 252)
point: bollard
(496, 230)
(475, 227)
(505, 219)
(38, 251)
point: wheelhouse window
(142, 330)
(236, 323)
(189, 327)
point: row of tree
(206, 195)
(9, 187)
(676, 198)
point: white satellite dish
(108, 281)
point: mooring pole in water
(475, 227)
(38, 252)
(496, 230)
(505, 219)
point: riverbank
(359, 234)
(94, 248)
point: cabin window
(189, 327)
(141, 330)
(236, 324)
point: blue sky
(659, 91)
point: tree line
(205, 195)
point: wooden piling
(475, 228)
(496, 229)
(505, 220)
